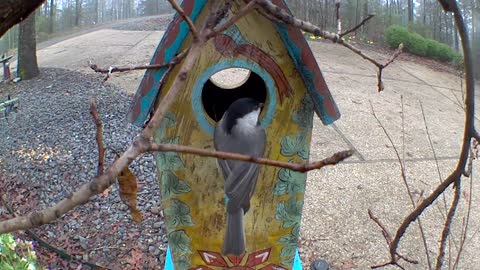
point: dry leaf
(128, 192)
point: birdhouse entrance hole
(228, 85)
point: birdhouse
(279, 70)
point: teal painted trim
(307, 75)
(297, 263)
(147, 101)
(169, 260)
(197, 105)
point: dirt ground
(335, 224)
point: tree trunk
(95, 12)
(410, 11)
(78, 12)
(14, 11)
(51, 21)
(27, 49)
(45, 9)
(424, 12)
(365, 14)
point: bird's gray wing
(225, 167)
(240, 185)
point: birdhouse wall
(192, 187)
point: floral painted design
(292, 183)
(177, 213)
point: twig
(187, 19)
(405, 182)
(469, 131)
(433, 152)
(386, 234)
(175, 60)
(334, 159)
(448, 222)
(99, 136)
(113, 69)
(355, 28)
(48, 246)
(381, 67)
(283, 16)
(463, 236)
(244, 10)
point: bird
(239, 131)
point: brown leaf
(128, 192)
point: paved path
(336, 225)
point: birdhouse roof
(177, 33)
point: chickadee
(239, 131)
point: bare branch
(175, 60)
(469, 131)
(99, 136)
(334, 159)
(386, 234)
(405, 182)
(283, 16)
(187, 19)
(139, 147)
(355, 28)
(244, 10)
(448, 222)
(463, 236)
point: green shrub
(395, 34)
(432, 48)
(16, 254)
(418, 45)
(444, 53)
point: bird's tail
(234, 241)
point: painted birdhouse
(282, 73)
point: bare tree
(78, 12)
(27, 49)
(52, 16)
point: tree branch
(405, 182)
(82, 195)
(187, 19)
(244, 10)
(175, 60)
(334, 159)
(283, 16)
(448, 222)
(355, 28)
(469, 131)
(99, 136)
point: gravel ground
(49, 148)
